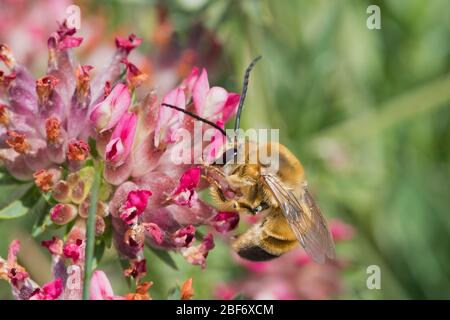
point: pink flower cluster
(67, 283)
(53, 129)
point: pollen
(18, 142)
(78, 151)
(44, 87)
(53, 129)
(43, 180)
(4, 118)
(83, 80)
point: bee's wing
(305, 219)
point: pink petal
(106, 114)
(230, 106)
(53, 290)
(119, 147)
(169, 120)
(69, 42)
(189, 180)
(189, 82)
(214, 103)
(197, 254)
(200, 92)
(185, 193)
(184, 237)
(217, 144)
(128, 44)
(54, 246)
(100, 287)
(155, 232)
(74, 251)
(135, 205)
(224, 222)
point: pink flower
(65, 39)
(197, 254)
(224, 222)
(54, 246)
(185, 194)
(50, 291)
(48, 119)
(100, 287)
(155, 232)
(74, 250)
(184, 237)
(106, 114)
(135, 205)
(212, 103)
(120, 144)
(128, 44)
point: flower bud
(102, 208)
(80, 184)
(100, 225)
(43, 180)
(107, 113)
(63, 213)
(60, 191)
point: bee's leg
(240, 205)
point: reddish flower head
(135, 205)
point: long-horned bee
(279, 193)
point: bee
(279, 193)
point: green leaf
(165, 257)
(11, 189)
(19, 208)
(42, 209)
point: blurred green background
(366, 111)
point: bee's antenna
(197, 117)
(244, 92)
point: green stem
(90, 232)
